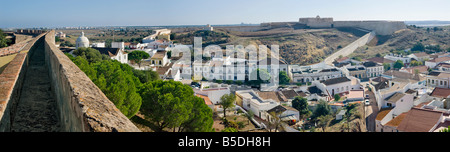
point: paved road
(349, 49)
(36, 109)
(371, 112)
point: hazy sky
(58, 13)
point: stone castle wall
(81, 104)
(242, 28)
(380, 27)
(317, 22)
(11, 80)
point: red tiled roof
(342, 59)
(441, 59)
(421, 54)
(397, 120)
(422, 69)
(419, 120)
(206, 99)
(380, 60)
(440, 92)
(383, 113)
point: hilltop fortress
(380, 27)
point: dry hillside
(404, 39)
(301, 47)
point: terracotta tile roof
(403, 75)
(421, 54)
(440, 92)
(382, 113)
(159, 55)
(290, 94)
(268, 95)
(336, 81)
(441, 59)
(206, 99)
(380, 60)
(422, 69)
(419, 120)
(397, 120)
(342, 59)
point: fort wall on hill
(380, 27)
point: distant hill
(428, 23)
(405, 39)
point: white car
(367, 102)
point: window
(432, 81)
(440, 82)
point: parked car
(367, 96)
(367, 102)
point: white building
(422, 56)
(120, 45)
(114, 53)
(213, 91)
(432, 63)
(98, 44)
(373, 69)
(250, 101)
(395, 57)
(208, 28)
(60, 35)
(305, 74)
(159, 59)
(82, 41)
(338, 85)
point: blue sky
(58, 13)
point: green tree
(445, 130)
(398, 64)
(386, 66)
(322, 109)
(170, 104)
(90, 54)
(324, 121)
(3, 40)
(274, 120)
(146, 75)
(301, 104)
(249, 116)
(200, 118)
(416, 63)
(418, 47)
(137, 56)
(117, 82)
(337, 97)
(350, 111)
(284, 78)
(261, 76)
(227, 101)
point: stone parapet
(81, 104)
(11, 80)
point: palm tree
(324, 121)
(275, 121)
